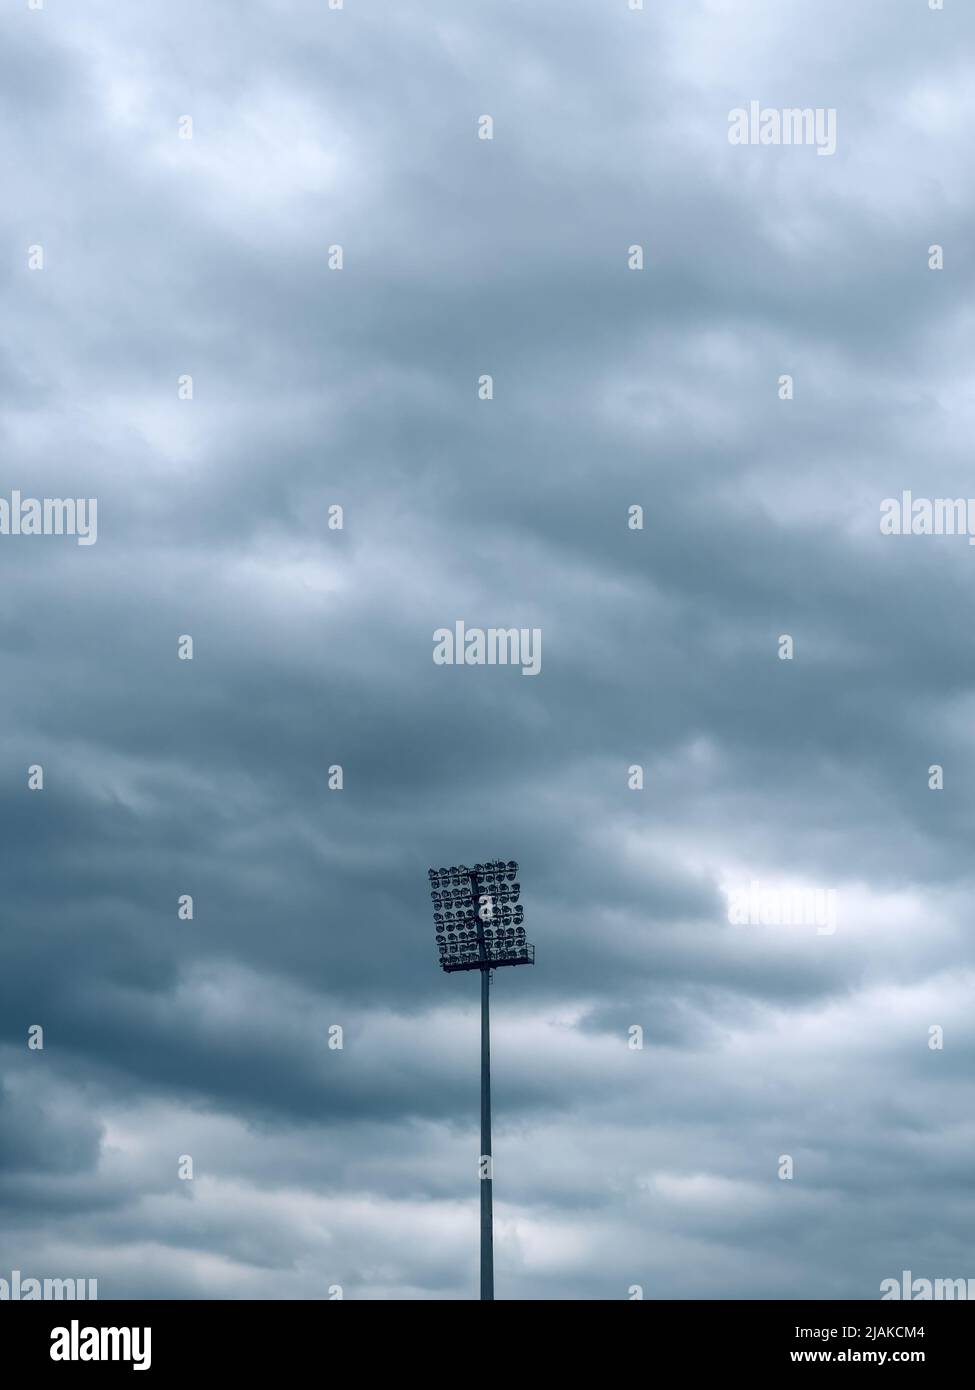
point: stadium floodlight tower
(478, 920)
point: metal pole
(487, 1220)
(486, 1161)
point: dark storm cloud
(313, 647)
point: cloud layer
(166, 257)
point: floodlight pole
(485, 1168)
(487, 1214)
(459, 917)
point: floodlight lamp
(477, 917)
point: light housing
(479, 935)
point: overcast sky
(166, 257)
